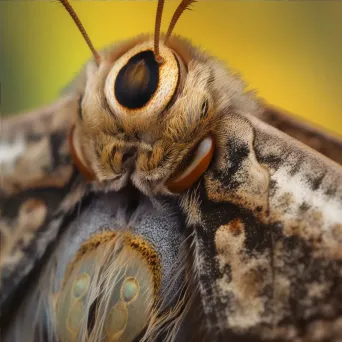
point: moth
(158, 200)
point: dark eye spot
(137, 81)
(80, 107)
(204, 109)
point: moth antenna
(159, 14)
(81, 28)
(185, 4)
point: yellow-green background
(290, 51)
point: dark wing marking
(268, 237)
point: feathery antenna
(185, 4)
(78, 23)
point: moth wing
(267, 229)
(34, 149)
(323, 142)
(37, 188)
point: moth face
(149, 123)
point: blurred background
(289, 51)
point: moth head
(148, 113)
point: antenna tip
(97, 58)
(159, 59)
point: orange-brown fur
(164, 140)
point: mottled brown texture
(17, 233)
(280, 278)
(42, 138)
(320, 141)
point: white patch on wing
(300, 192)
(10, 152)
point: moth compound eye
(109, 290)
(200, 163)
(137, 84)
(77, 156)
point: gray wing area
(157, 223)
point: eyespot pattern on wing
(109, 289)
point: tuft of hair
(108, 259)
